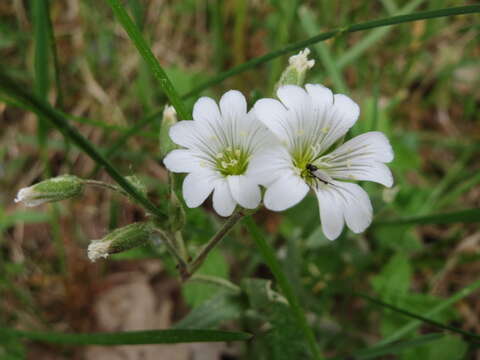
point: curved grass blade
(420, 317)
(440, 307)
(84, 120)
(270, 258)
(464, 216)
(42, 108)
(393, 349)
(147, 54)
(394, 20)
(130, 337)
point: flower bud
(295, 72)
(50, 190)
(119, 240)
(169, 119)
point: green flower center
(304, 156)
(232, 161)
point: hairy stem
(225, 229)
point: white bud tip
(98, 249)
(169, 112)
(301, 61)
(26, 195)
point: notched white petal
(181, 160)
(286, 192)
(331, 211)
(223, 202)
(182, 133)
(196, 188)
(244, 190)
(293, 97)
(206, 110)
(233, 105)
(273, 115)
(357, 207)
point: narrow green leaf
(61, 123)
(372, 38)
(147, 54)
(464, 216)
(394, 20)
(419, 317)
(393, 349)
(130, 337)
(271, 260)
(40, 13)
(222, 307)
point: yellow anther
(219, 155)
(238, 152)
(325, 129)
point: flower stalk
(214, 241)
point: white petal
(372, 145)
(293, 97)
(223, 202)
(181, 160)
(206, 111)
(364, 171)
(183, 133)
(322, 97)
(197, 186)
(286, 192)
(357, 207)
(273, 115)
(268, 165)
(331, 211)
(233, 105)
(244, 191)
(339, 119)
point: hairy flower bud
(169, 119)
(119, 240)
(295, 72)
(51, 190)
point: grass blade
(130, 337)
(268, 255)
(464, 216)
(147, 54)
(421, 318)
(374, 353)
(397, 335)
(42, 108)
(394, 20)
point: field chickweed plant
(251, 155)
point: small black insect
(318, 174)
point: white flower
(307, 125)
(220, 144)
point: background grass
(417, 82)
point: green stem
(394, 20)
(224, 230)
(147, 54)
(268, 254)
(218, 281)
(169, 243)
(42, 108)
